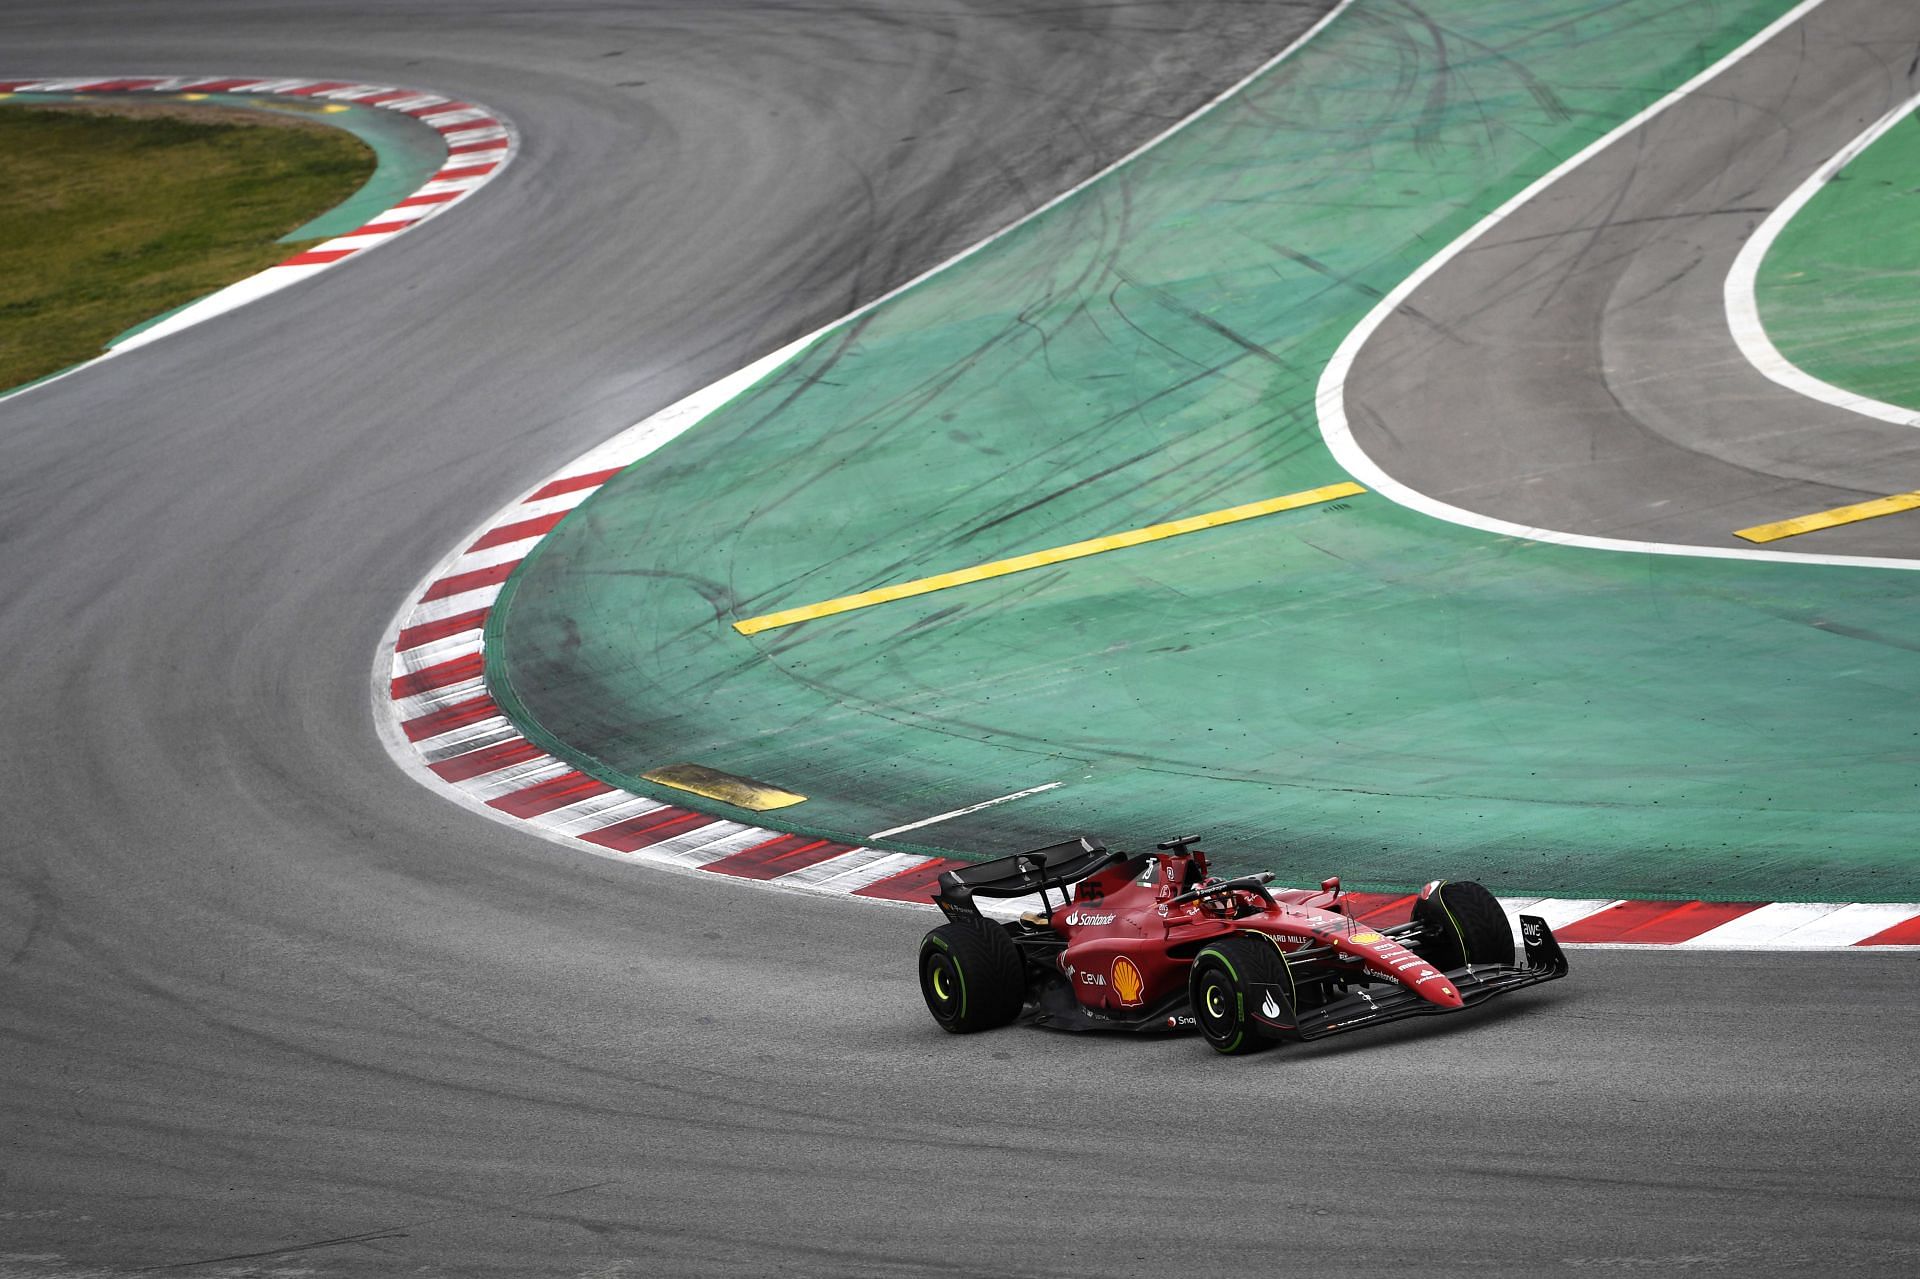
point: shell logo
(1128, 984)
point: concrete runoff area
(268, 1005)
(1349, 688)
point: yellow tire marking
(1040, 559)
(1829, 519)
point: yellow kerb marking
(711, 783)
(1829, 519)
(1040, 559)
(335, 108)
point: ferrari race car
(1153, 943)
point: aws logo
(1128, 985)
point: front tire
(1222, 988)
(1465, 925)
(971, 976)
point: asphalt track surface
(267, 1006)
(1668, 434)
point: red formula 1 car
(1153, 943)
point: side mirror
(1331, 885)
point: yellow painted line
(1829, 519)
(741, 792)
(1040, 559)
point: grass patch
(112, 216)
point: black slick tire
(971, 976)
(1465, 926)
(1222, 988)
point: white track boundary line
(962, 812)
(1331, 394)
(1743, 305)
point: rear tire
(1221, 989)
(1465, 926)
(971, 976)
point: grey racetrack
(269, 1007)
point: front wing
(1476, 983)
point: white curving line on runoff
(1743, 307)
(1331, 394)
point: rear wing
(1055, 866)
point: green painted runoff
(1349, 689)
(1836, 290)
